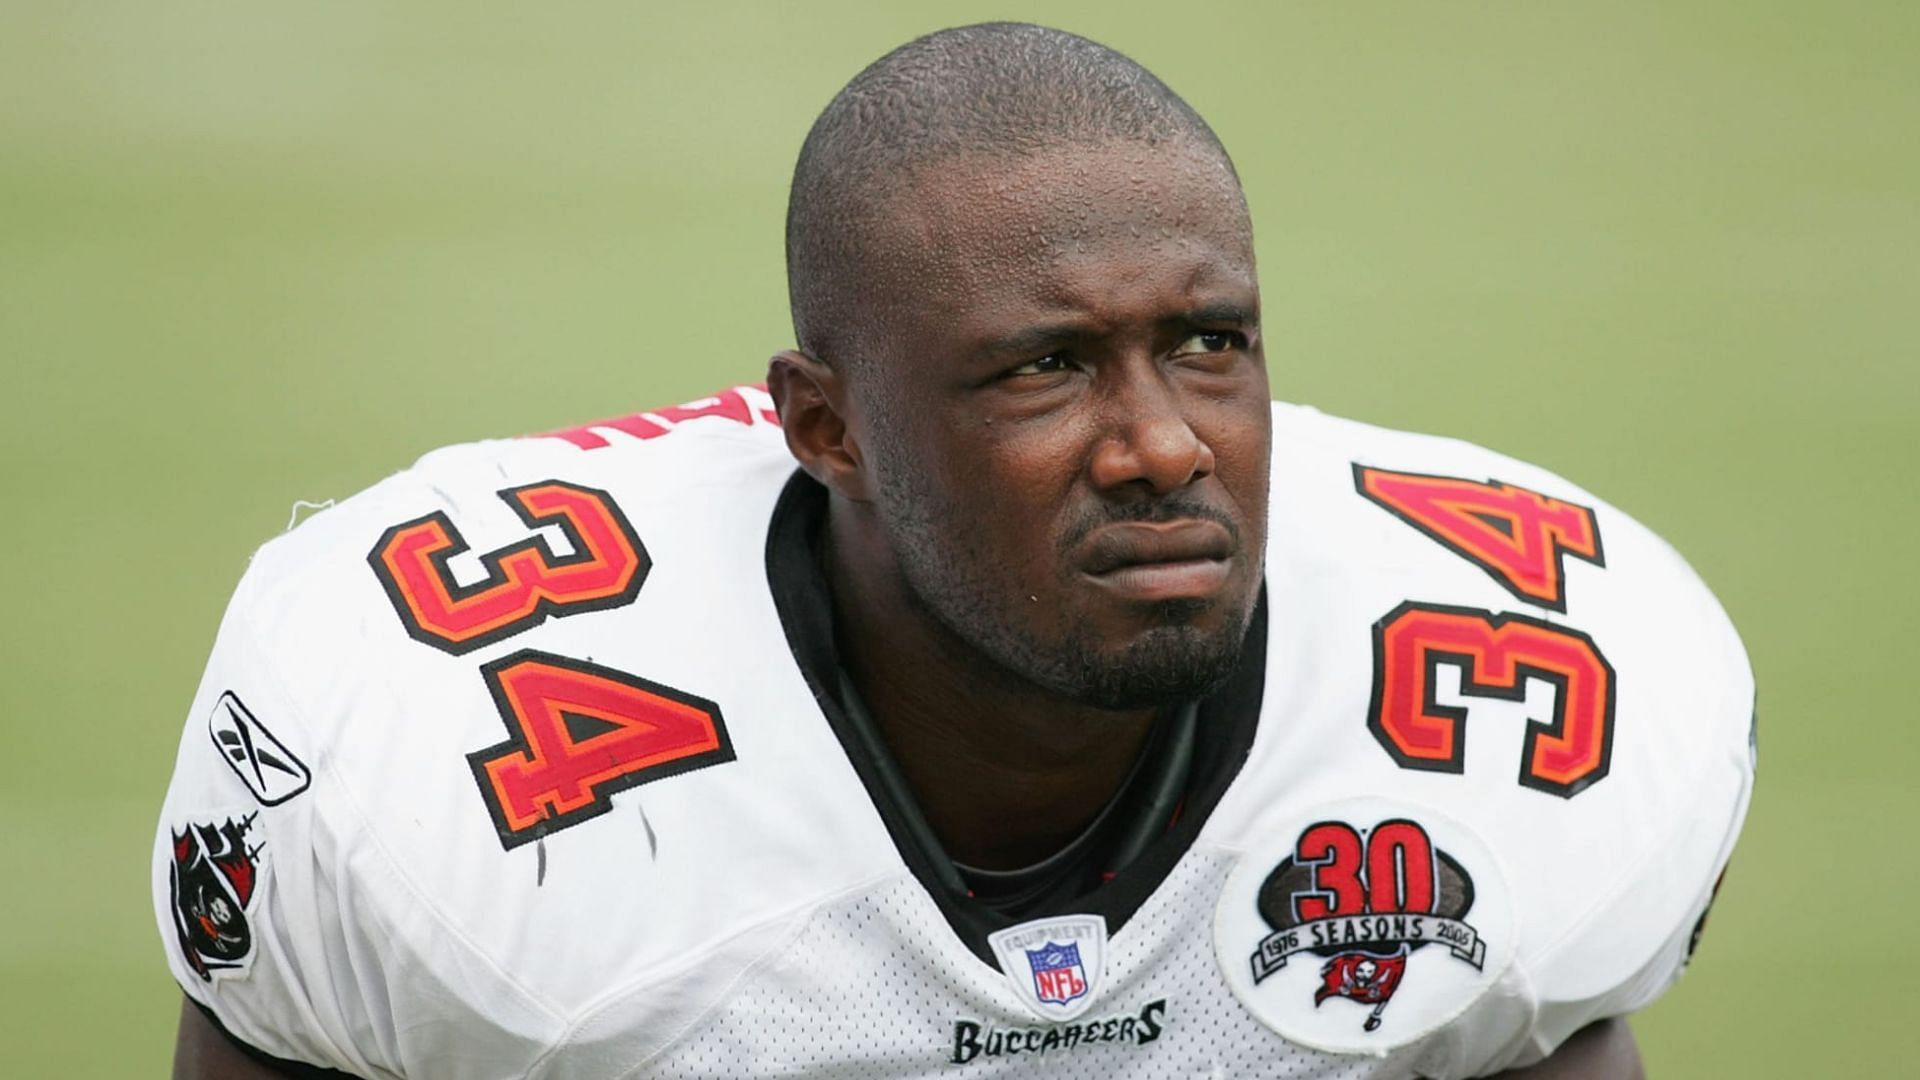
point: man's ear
(813, 404)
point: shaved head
(1024, 290)
(995, 92)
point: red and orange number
(577, 732)
(1496, 655)
(1520, 538)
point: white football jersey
(522, 763)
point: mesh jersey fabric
(909, 1002)
(753, 916)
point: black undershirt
(1147, 803)
(1190, 758)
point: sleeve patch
(1364, 925)
(262, 762)
(214, 884)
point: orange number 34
(1519, 538)
(576, 732)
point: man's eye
(1209, 341)
(1046, 365)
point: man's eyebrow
(1221, 313)
(1041, 339)
(1033, 339)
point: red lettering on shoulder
(748, 405)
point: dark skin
(1047, 468)
(1090, 350)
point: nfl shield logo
(1054, 965)
(1058, 976)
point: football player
(1007, 687)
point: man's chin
(1165, 666)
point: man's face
(1064, 404)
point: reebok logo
(256, 756)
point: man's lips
(1136, 543)
(1167, 560)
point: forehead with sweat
(981, 147)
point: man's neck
(1005, 772)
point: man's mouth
(1150, 561)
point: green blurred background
(255, 253)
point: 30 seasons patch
(1363, 925)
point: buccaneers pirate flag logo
(214, 877)
(1365, 978)
(1345, 916)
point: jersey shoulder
(480, 543)
(1431, 516)
(420, 709)
(1534, 680)
(726, 442)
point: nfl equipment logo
(1054, 965)
(1058, 976)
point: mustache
(1176, 507)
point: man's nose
(1150, 444)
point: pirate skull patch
(1363, 926)
(214, 878)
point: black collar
(1222, 734)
